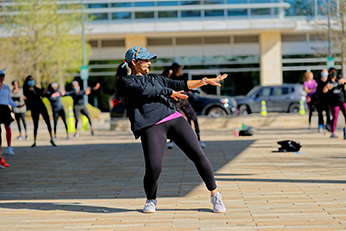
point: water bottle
(344, 133)
(236, 132)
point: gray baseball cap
(138, 52)
(2, 72)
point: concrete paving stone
(257, 185)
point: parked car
(282, 98)
(204, 104)
(211, 105)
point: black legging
(20, 116)
(320, 108)
(56, 115)
(191, 115)
(35, 115)
(154, 142)
(80, 109)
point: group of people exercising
(30, 98)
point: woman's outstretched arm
(191, 84)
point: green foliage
(43, 39)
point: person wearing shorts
(154, 118)
(79, 107)
(5, 117)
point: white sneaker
(10, 151)
(76, 135)
(20, 138)
(170, 145)
(150, 206)
(218, 206)
(202, 144)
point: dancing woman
(154, 118)
(34, 103)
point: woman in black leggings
(34, 103)
(154, 118)
(19, 113)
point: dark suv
(211, 105)
(281, 98)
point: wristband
(204, 82)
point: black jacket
(147, 98)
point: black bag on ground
(289, 146)
(245, 132)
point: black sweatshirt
(78, 97)
(147, 98)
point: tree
(43, 38)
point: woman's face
(311, 76)
(333, 74)
(141, 66)
(15, 84)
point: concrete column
(135, 40)
(271, 55)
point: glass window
(300, 8)
(121, 4)
(99, 16)
(103, 5)
(190, 13)
(237, 12)
(144, 4)
(168, 14)
(214, 13)
(282, 91)
(261, 11)
(171, 3)
(322, 7)
(237, 1)
(213, 1)
(267, 91)
(190, 2)
(148, 14)
(121, 15)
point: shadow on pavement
(103, 171)
(85, 208)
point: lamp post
(85, 78)
(329, 35)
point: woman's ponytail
(123, 69)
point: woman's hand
(214, 81)
(96, 86)
(176, 95)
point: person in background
(5, 117)
(310, 87)
(34, 103)
(54, 96)
(78, 104)
(335, 89)
(18, 97)
(175, 72)
(321, 102)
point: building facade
(255, 41)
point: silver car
(281, 98)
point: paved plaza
(95, 183)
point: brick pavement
(95, 183)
